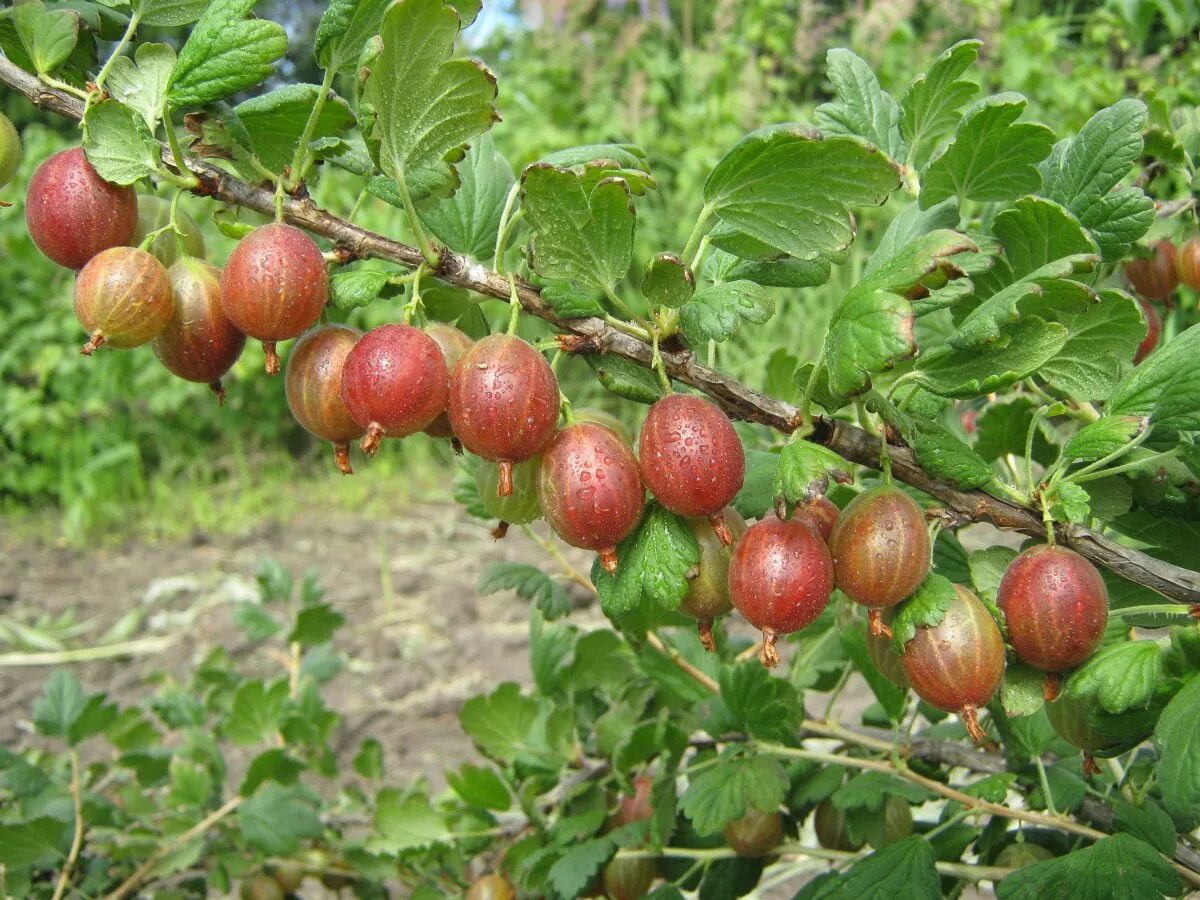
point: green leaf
(939, 451)
(804, 471)
(787, 187)
(225, 53)
(48, 35)
(191, 783)
(668, 281)
(1017, 353)
(991, 157)
(428, 105)
(1083, 173)
(1021, 692)
(570, 302)
(930, 106)
(405, 823)
(903, 869)
(119, 145)
(1118, 677)
(256, 712)
(344, 29)
(38, 841)
(529, 583)
(584, 236)
(720, 794)
(1103, 339)
(927, 607)
(141, 82)
(624, 378)
(368, 762)
(652, 566)
(480, 787)
(61, 707)
(758, 489)
(275, 819)
(862, 109)
(1165, 387)
(1034, 233)
(1149, 822)
(1098, 439)
(357, 288)
(988, 567)
(1003, 427)
(715, 313)
(315, 624)
(783, 272)
(509, 727)
(759, 704)
(1178, 745)
(595, 162)
(170, 13)
(270, 765)
(578, 866)
(912, 223)
(1113, 868)
(870, 790)
(469, 221)
(1071, 503)
(276, 120)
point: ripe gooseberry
(957, 665)
(590, 489)
(880, 549)
(1153, 331)
(155, 213)
(829, 823)
(491, 887)
(274, 286)
(707, 596)
(820, 512)
(1154, 277)
(1187, 261)
(1055, 605)
(521, 506)
(200, 344)
(754, 834)
(780, 579)
(10, 151)
(503, 402)
(313, 384)
(123, 299)
(453, 343)
(692, 460)
(394, 383)
(73, 214)
(635, 807)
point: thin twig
(139, 647)
(64, 877)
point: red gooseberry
(313, 384)
(1154, 277)
(1153, 331)
(123, 299)
(1187, 263)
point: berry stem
(704, 627)
(186, 179)
(301, 161)
(724, 535)
(971, 719)
(370, 442)
(507, 220)
(806, 400)
(1051, 685)
(767, 654)
(514, 306)
(427, 251)
(272, 363)
(608, 559)
(878, 627)
(657, 363)
(693, 240)
(341, 456)
(504, 486)
(135, 19)
(218, 390)
(95, 342)
(500, 531)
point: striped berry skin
(692, 460)
(755, 834)
(780, 579)
(73, 214)
(504, 403)
(453, 344)
(1055, 605)
(123, 299)
(880, 548)
(1187, 263)
(394, 383)
(957, 665)
(200, 344)
(313, 383)
(821, 513)
(274, 286)
(1153, 331)
(1154, 278)
(707, 596)
(590, 489)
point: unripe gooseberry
(1076, 723)
(261, 887)
(394, 383)
(590, 489)
(491, 887)
(628, 878)
(707, 596)
(1153, 331)
(73, 214)
(958, 664)
(504, 402)
(453, 343)
(274, 286)
(521, 506)
(829, 823)
(1187, 261)
(10, 150)
(289, 875)
(1055, 605)
(820, 512)
(1019, 854)
(1154, 277)
(692, 460)
(881, 550)
(155, 213)
(754, 834)
(780, 579)
(313, 384)
(123, 299)
(882, 650)
(200, 344)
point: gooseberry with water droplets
(123, 299)
(313, 384)
(453, 343)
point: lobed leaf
(862, 108)
(225, 53)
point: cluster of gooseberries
(1155, 278)
(499, 399)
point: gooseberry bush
(1015, 350)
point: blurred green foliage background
(114, 444)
